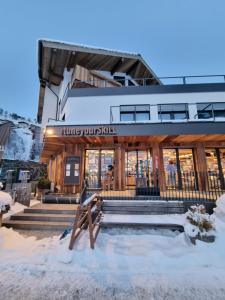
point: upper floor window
(134, 113)
(173, 112)
(211, 110)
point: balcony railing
(129, 82)
(191, 113)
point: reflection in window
(173, 112)
(211, 110)
(134, 113)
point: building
(109, 119)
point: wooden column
(158, 167)
(201, 166)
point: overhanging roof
(55, 56)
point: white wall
(96, 109)
(50, 99)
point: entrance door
(99, 169)
(138, 168)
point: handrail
(145, 81)
(88, 215)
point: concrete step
(157, 207)
(155, 226)
(66, 209)
(44, 217)
(49, 211)
(37, 225)
(153, 212)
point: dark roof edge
(152, 89)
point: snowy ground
(126, 264)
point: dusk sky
(175, 37)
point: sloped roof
(4, 132)
(55, 56)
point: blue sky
(176, 37)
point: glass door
(92, 168)
(107, 169)
(138, 168)
(99, 169)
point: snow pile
(19, 145)
(220, 207)
(199, 223)
(5, 201)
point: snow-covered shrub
(219, 210)
(200, 224)
(5, 202)
(1, 185)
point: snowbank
(5, 201)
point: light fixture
(49, 131)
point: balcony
(168, 113)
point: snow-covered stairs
(151, 214)
(44, 217)
(149, 207)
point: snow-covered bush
(219, 210)
(200, 224)
(5, 202)
(1, 185)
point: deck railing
(177, 185)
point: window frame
(213, 110)
(173, 112)
(135, 112)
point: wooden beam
(132, 67)
(117, 65)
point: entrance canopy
(168, 133)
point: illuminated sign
(89, 131)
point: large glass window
(211, 110)
(173, 112)
(179, 168)
(134, 113)
(215, 159)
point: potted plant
(200, 225)
(43, 186)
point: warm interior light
(49, 131)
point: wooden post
(201, 166)
(90, 227)
(158, 167)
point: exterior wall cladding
(193, 139)
(102, 105)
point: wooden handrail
(84, 218)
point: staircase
(52, 217)
(145, 207)
(150, 214)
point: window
(205, 111)
(173, 112)
(211, 110)
(135, 113)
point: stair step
(37, 225)
(155, 226)
(44, 217)
(160, 212)
(49, 211)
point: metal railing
(184, 186)
(116, 113)
(129, 82)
